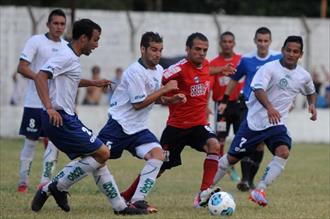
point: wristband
(225, 99)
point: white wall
(114, 50)
(299, 125)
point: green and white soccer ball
(221, 204)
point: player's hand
(274, 116)
(102, 83)
(312, 110)
(55, 118)
(221, 108)
(171, 85)
(229, 70)
(179, 98)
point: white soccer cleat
(205, 195)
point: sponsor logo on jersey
(139, 97)
(283, 84)
(54, 50)
(199, 89)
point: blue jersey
(248, 67)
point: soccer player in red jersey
(232, 114)
(188, 122)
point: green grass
(302, 191)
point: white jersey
(37, 50)
(137, 83)
(282, 85)
(65, 70)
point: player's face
(151, 55)
(291, 54)
(227, 44)
(263, 42)
(56, 26)
(197, 53)
(92, 43)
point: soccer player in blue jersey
(275, 86)
(247, 67)
(57, 84)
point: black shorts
(175, 139)
(231, 116)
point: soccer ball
(221, 204)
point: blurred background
(124, 21)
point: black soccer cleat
(243, 186)
(39, 200)
(131, 210)
(61, 198)
(142, 204)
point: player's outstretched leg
(49, 163)
(107, 185)
(272, 171)
(26, 158)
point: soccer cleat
(258, 196)
(142, 204)
(22, 188)
(205, 195)
(131, 210)
(61, 198)
(39, 200)
(243, 186)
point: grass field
(302, 191)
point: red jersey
(195, 84)
(220, 81)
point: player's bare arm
(311, 106)
(95, 83)
(225, 70)
(171, 85)
(175, 99)
(223, 104)
(24, 69)
(41, 81)
(273, 115)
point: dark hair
(56, 12)
(84, 26)
(96, 69)
(263, 30)
(197, 35)
(294, 39)
(227, 33)
(149, 37)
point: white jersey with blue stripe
(249, 65)
(282, 85)
(137, 83)
(37, 50)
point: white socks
(272, 171)
(49, 162)
(26, 158)
(223, 167)
(148, 177)
(107, 185)
(75, 171)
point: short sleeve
(57, 65)
(240, 71)
(171, 73)
(309, 87)
(135, 87)
(30, 49)
(261, 79)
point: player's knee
(282, 151)
(213, 146)
(155, 153)
(102, 154)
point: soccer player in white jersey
(126, 128)
(67, 132)
(248, 66)
(37, 50)
(274, 86)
